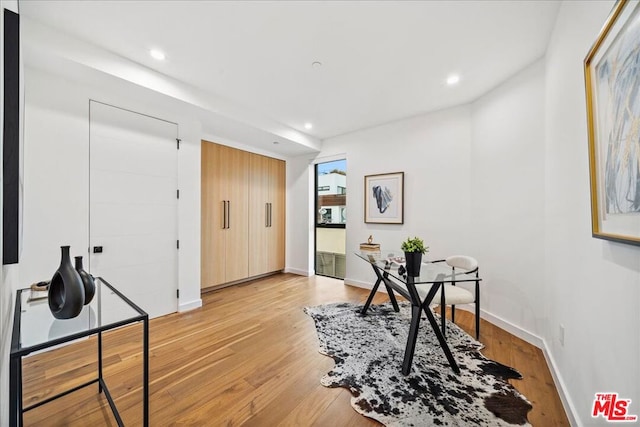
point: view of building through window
(332, 192)
(331, 217)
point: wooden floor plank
(248, 357)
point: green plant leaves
(414, 245)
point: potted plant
(413, 251)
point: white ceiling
(381, 61)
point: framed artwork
(612, 83)
(384, 198)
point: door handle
(270, 214)
(224, 214)
(228, 213)
(266, 214)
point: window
(331, 218)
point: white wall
(56, 175)
(592, 286)
(507, 199)
(433, 151)
(300, 193)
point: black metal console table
(35, 329)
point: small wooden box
(370, 247)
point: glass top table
(38, 328)
(35, 328)
(430, 272)
(419, 291)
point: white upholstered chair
(457, 295)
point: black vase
(66, 291)
(414, 259)
(87, 281)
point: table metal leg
(441, 340)
(424, 305)
(371, 295)
(392, 296)
(411, 339)
(381, 278)
(100, 378)
(15, 392)
(145, 373)
(417, 305)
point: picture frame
(612, 87)
(384, 198)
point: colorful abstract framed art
(612, 83)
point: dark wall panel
(11, 138)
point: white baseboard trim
(191, 305)
(539, 342)
(298, 271)
(567, 403)
(523, 334)
(360, 284)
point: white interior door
(133, 206)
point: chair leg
(443, 319)
(477, 319)
(477, 311)
(453, 314)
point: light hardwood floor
(248, 357)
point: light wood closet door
(266, 215)
(258, 214)
(224, 216)
(276, 230)
(212, 242)
(235, 183)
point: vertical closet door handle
(224, 214)
(228, 213)
(270, 214)
(266, 214)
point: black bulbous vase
(66, 291)
(87, 281)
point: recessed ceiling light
(157, 54)
(316, 64)
(308, 125)
(453, 79)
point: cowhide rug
(368, 352)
